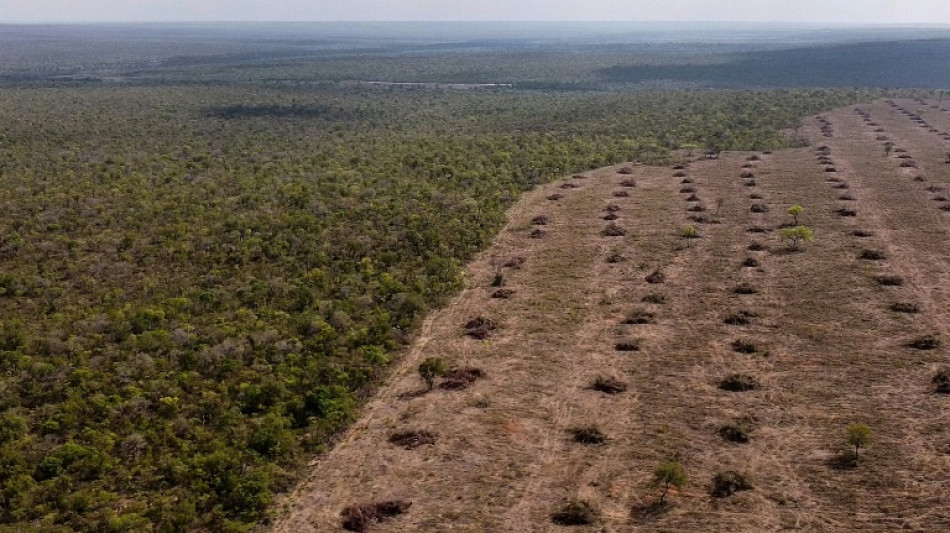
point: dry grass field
(817, 332)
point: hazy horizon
(867, 12)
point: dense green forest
(207, 261)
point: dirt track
(829, 351)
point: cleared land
(827, 350)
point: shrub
(872, 255)
(613, 230)
(737, 431)
(890, 281)
(759, 208)
(941, 381)
(538, 233)
(745, 288)
(608, 385)
(461, 378)
(611, 216)
(431, 368)
(627, 346)
(905, 307)
(575, 513)
(626, 170)
(688, 190)
(693, 198)
(412, 439)
(862, 233)
(639, 318)
(620, 194)
(612, 208)
(656, 277)
(755, 247)
(750, 183)
(502, 294)
(689, 232)
(739, 383)
(654, 298)
(479, 327)
(359, 517)
(927, 342)
(740, 318)
(727, 483)
(742, 346)
(540, 220)
(755, 196)
(846, 198)
(679, 174)
(556, 196)
(750, 262)
(698, 208)
(628, 183)
(844, 212)
(615, 257)
(668, 475)
(588, 435)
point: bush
(737, 432)
(575, 513)
(745, 347)
(461, 378)
(359, 517)
(431, 368)
(741, 318)
(412, 439)
(588, 435)
(613, 230)
(890, 281)
(941, 381)
(653, 298)
(608, 385)
(750, 262)
(727, 483)
(627, 346)
(656, 277)
(745, 288)
(927, 342)
(639, 318)
(905, 307)
(739, 383)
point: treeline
(194, 303)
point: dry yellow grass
(829, 353)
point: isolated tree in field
(859, 435)
(795, 211)
(668, 475)
(431, 368)
(888, 148)
(797, 235)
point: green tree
(860, 436)
(795, 211)
(797, 235)
(430, 369)
(668, 475)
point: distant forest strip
(199, 285)
(902, 64)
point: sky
(809, 11)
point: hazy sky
(853, 11)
